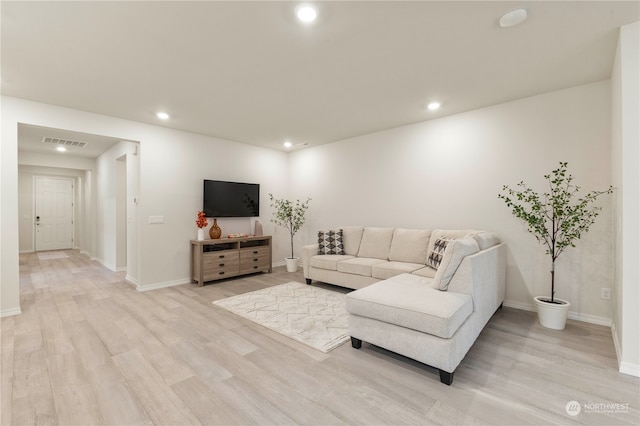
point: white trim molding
(10, 312)
(165, 284)
(591, 319)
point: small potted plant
(201, 223)
(557, 222)
(291, 216)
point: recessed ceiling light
(433, 106)
(162, 115)
(61, 149)
(306, 13)
(513, 18)
(287, 144)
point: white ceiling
(249, 72)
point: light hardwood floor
(89, 349)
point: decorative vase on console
(215, 231)
(201, 223)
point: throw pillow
(330, 242)
(435, 257)
(450, 258)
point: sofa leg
(500, 307)
(445, 377)
(308, 281)
(356, 343)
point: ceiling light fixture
(433, 106)
(306, 14)
(513, 18)
(61, 149)
(287, 144)
(162, 115)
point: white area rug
(310, 315)
(49, 255)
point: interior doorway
(53, 213)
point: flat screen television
(230, 199)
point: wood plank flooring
(89, 349)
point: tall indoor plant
(290, 215)
(557, 219)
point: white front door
(53, 213)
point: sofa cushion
(391, 269)
(351, 237)
(376, 243)
(450, 258)
(410, 301)
(485, 239)
(409, 245)
(330, 242)
(328, 261)
(359, 265)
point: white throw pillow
(447, 256)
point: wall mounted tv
(230, 199)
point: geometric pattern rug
(311, 315)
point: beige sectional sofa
(425, 294)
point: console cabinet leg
(446, 377)
(356, 343)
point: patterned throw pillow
(436, 255)
(330, 242)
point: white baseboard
(165, 284)
(591, 319)
(121, 269)
(630, 369)
(105, 264)
(519, 305)
(623, 367)
(131, 280)
(10, 312)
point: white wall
(625, 133)
(446, 173)
(172, 165)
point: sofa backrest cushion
(409, 245)
(485, 239)
(447, 255)
(351, 237)
(376, 243)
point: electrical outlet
(605, 293)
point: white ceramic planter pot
(200, 234)
(552, 315)
(292, 264)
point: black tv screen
(231, 199)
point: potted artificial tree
(291, 216)
(557, 222)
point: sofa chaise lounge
(425, 294)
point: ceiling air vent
(63, 142)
